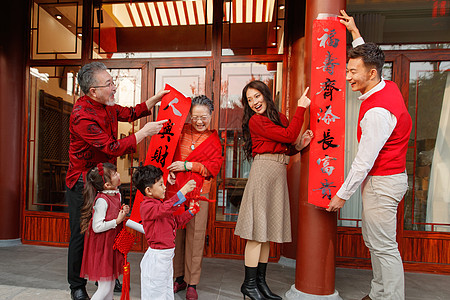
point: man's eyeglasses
(108, 85)
(201, 118)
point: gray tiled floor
(36, 272)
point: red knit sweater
(268, 137)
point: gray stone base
(287, 262)
(294, 294)
(10, 243)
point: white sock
(104, 291)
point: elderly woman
(199, 157)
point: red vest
(392, 157)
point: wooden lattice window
(53, 150)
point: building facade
(215, 47)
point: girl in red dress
(101, 220)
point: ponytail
(94, 184)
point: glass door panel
(52, 93)
(428, 160)
(189, 81)
(128, 93)
(235, 170)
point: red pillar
(295, 78)
(315, 257)
(13, 51)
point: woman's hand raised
(304, 101)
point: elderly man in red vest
(379, 165)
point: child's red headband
(101, 172)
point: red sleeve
(291, 150)
(262, 126)
(130, 114)
(198, 167)
(183, 219)
(92, 133)
(153, 211)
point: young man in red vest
(379, 165)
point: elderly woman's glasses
(200, 118)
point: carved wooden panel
(427, 252)
(429, 248)
(350, 243)
(46, 229)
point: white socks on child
(104, 291)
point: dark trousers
(74, 198)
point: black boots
(255, 285)
(262, 285)
(249, 287)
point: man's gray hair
(86, 74)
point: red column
(315, 257)
(14, 42)
(295, 78)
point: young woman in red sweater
(269, 139)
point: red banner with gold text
(327, 121)
(174, 108)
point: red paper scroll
(175, 108)
(328, 64)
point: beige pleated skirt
(264, 213)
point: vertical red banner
(174, 108)
(327, 121)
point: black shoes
(255, 286)
(117, 287)
(262, 285)
(79, 294)
(249, 287)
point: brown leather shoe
(179, 286)
(366, 298)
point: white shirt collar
(375, 89)
(110, 192)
